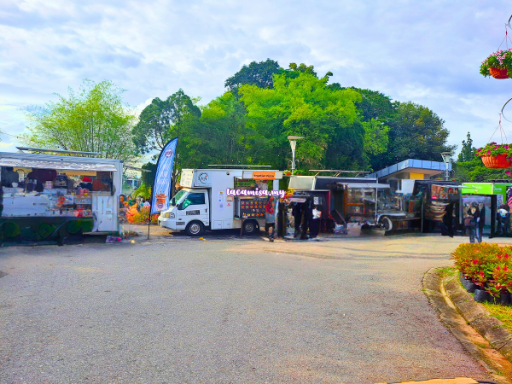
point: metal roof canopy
(337, 171)
(31, 160)
(58, 165)
(238, 166)
(367, 185)
(58, 151)
(136, 169)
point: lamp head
(446, 156)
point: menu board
(444, 193)
(253, 207)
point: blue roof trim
(411, 163)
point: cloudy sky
(428, 52)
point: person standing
(506, 223)
(481, 221)
(448, 220)
(315, 222)
(471, 221)
(503, 218)
(270, 218)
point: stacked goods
(133, 215)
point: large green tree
(416, 132)
(258, 74)
(302, 106)
(93, 120)
(158, 122)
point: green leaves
(94, 120)
(500, 59)
(159, 121)
(301, 106)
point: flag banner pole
(161, 190)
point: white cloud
(425, 52)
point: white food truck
(221, 199)
(49, 197)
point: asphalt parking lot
(225, 310)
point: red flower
(475, 262)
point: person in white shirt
(314, 227)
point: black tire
(194, 228)
(387, 223)
(251, 227)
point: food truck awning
(367, 185)
(59, 165)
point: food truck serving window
(40, 188)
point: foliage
(154, 128)
(493, 149)
(148, 178)
(475, 171)
(487, 265)
(301, 106)
(470, 168)
(467, 152)
(258, 74)
(343, 128)
(94, 120)
(220, 136)
(500, 59)
(416, 132)
(143, 191)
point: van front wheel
(195, 228)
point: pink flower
(508, 173)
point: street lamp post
(293, 144)
(446, 158)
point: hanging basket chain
(506, 39)
(502, 133)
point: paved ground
(225, 310)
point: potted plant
(496, 156)
(498, 65)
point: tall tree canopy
(415, 132)
(258, 74)
(94, 120)
(301, 106)
(154, 128)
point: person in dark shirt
(481, 223)
(9, 177)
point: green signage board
(477, 189)
(486, 189)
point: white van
(220, 199)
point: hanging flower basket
(498, 65)
(499, 73)
(499, 161)
(496, 156)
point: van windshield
(177, 197)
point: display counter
(48, 203)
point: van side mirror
(180, 206)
